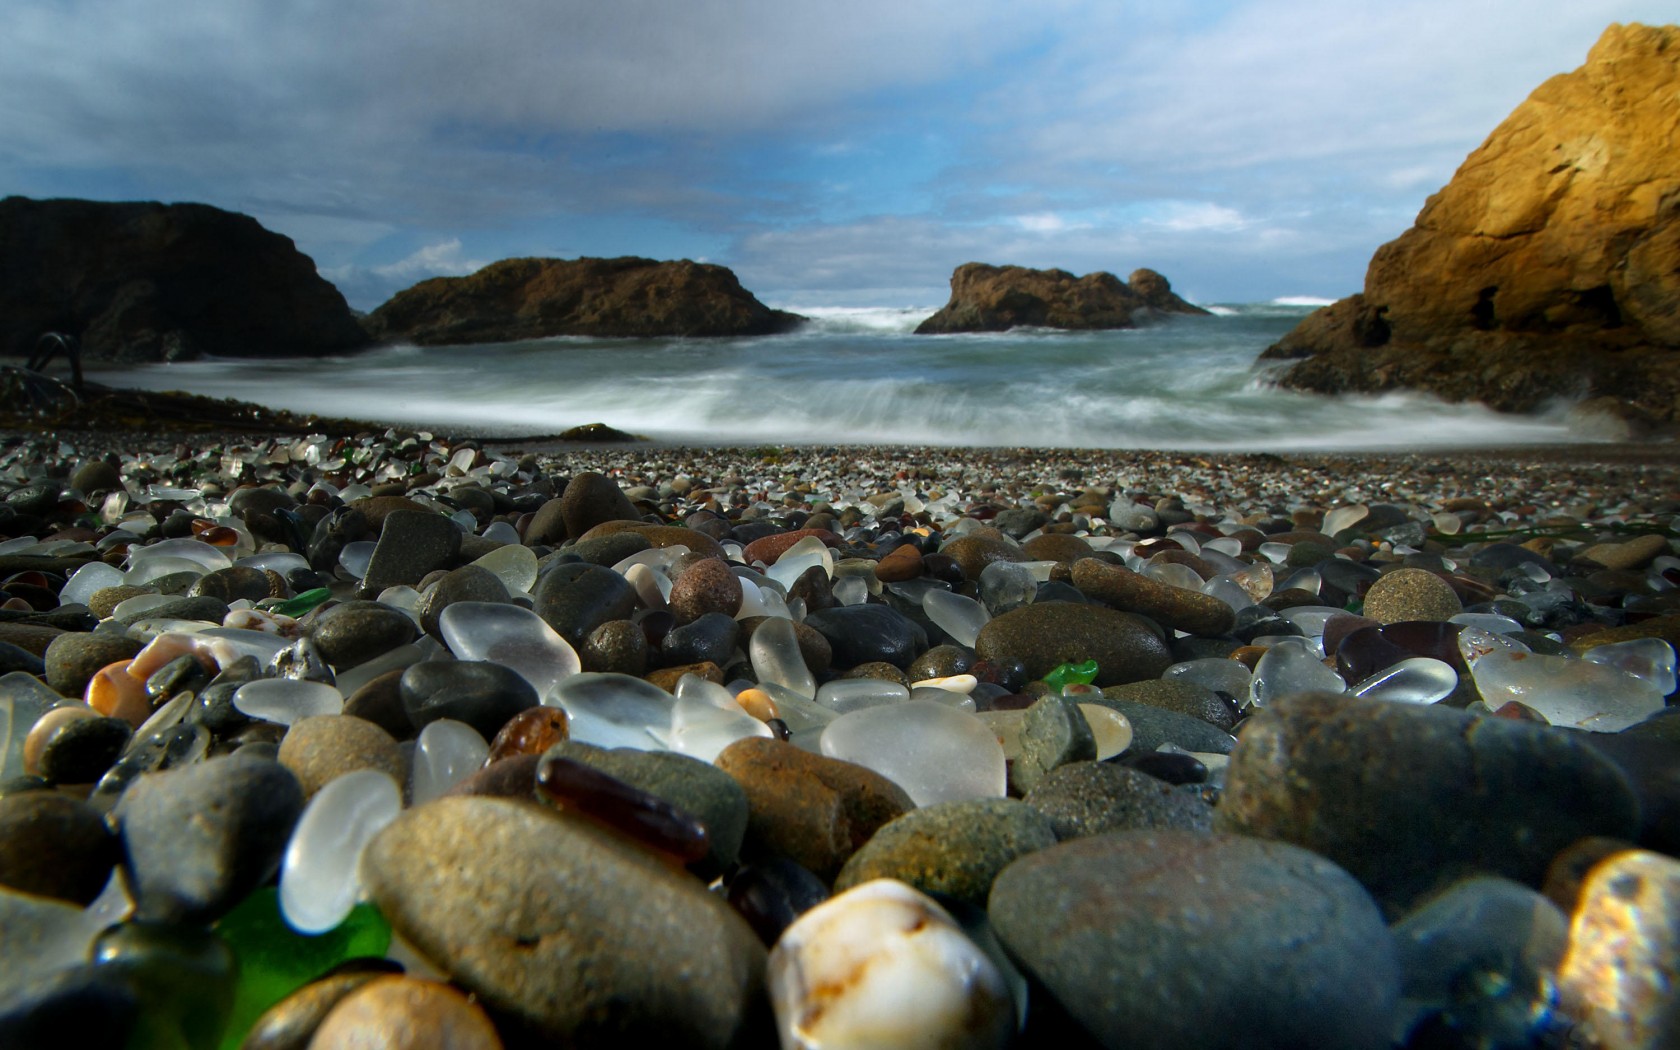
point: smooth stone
(1623, 966)
(184, 975)
(709, 793)
(291, 1023)
(1411, 594)
(469, 583)
(380, 701)
(1174, 608)
(591, 499)
(320, 878)
(1410, 799)
(609, 549)
(202, 608)
(1182, 696)
(1479, 958)
(81, 1005)
(234, 583)
(618, 647)
(1185, 940)
(514, 637)
(903, 562)
(577, 598)
(812, 809)
(1635, 553)
(357, 631)
(1153, 726)
(707, 586)
(769, 549)
(82, 749)
(973, 553)
(55, 846)
(936, 753)
(951, 848)
(1093, 798)
(1043, 636)
(198, 838)
(547, 526)
(483, 695)
(710, 639)
(43, 935)
(882, 967)
(862, 634)
(71, 660)
(562, 929)
(404, 1013)
(940, 662)
(1053, 733)
(16, 658)
(411, 544)
(323, 748)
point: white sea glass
(512, 636)
(446, 753)
(1112, 730)
(653, 587)
(1173, 574)
(774, 652)
(1310, 618)
(613, 710)
(958, 616)
(809, 551)
(1291, 667)
(1475, 643)
(286, 700)
(1650, 659)
(206, 557)
(851, 590)
(319, 877)
(1222, 675)
(86, 581)
(512, 563)
(844, 695)
(1493, 623)
(1258, 580)
(1005, 586)
(1344, 517)
(934, 752)
(1416, 680)
(1567, 691)
(23, 700)
(1228, 590)
(706, 719)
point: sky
(830, 153)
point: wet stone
(72, 659)
(951, 848)
(591, 499)
(380, 701)
(973, 553)
(1045, 635)
(411, 544)
(54, 846)
(1175, 608)
(862, 634)
(1093, 798)
(234, 583)
(577, 598)
(357, 631)
(618, 646)
(710, 639)
(483, 695)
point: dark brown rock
(1175, 608)
(532, 298)
(138, 281)
(1047, 634)
(706, 586)
(988, 298)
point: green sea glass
(298, 604)
(1064, 675)
(184, 978)
(275, 960)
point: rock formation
(144, 281)
(533, 298)
(996, 298)
(1549, 267)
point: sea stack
(1548, 268)
(987, 298)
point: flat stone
(319, 749)
(1629, 554)
(973, 553)
(609, 549)
(72, 659)
(1045, 635)
(1175, 608)
(950, 848)
(812, 809)
(200, 607)
(380, 701)
(290, 1023)
(197, 839)
(1053, 734)
(565, 931)
(411, 544)
(1411, 594)
(1413, 798)
(1180, 696)
(355, 632)
(1211, 942)
(52, 845)
(861, 634)
(1093, 798)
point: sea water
(861, 376)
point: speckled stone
(574, 599)
(973, 553)
(568, 933)
(235, 582)
(1413, 798)
(1153, 726)
(469, 583)
(404, 1013)
(704, 587)
(1629, 554)
(411, 544)
(1056, 547)
(1093, 798)
(324, 747)
(1411, 594)
(1175, 608)
(591, 499)
(1201, 942)
(807, 807)
(1047, 634)
(355, 632)
(1184, 697)
(1623, 965)
(54, 846)
(951, 848)
(72, 659)
(609, 549)
(1053, 734)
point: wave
(860, 319)
(1313, 301)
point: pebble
(1182, 696)
(1054, 733)
(1092, 798)
(404, 1013)
(1191, 941)
(572, 934)
(1174, 608)
(71, 660)
(934, 751)
(1411, 594)
(1154, 726)
(483, 695)
(1623, 966)
(322, 748)
(575, 599)
(1045, 635)
(54, 846)
(356, 632)
(707, 586)
(954, 849)
(591, 499)
(411, 544)
(859, 634)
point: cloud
(367, 286)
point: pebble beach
(388, 737)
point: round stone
(861, 634)
(591, 499)
(324, 747)
(1092, 798)
(82, 749)
(73, 659)
(973, 553)
(707, 586)
(1175, 608)
(357, 631)
(52, 845)
(1046, 635)
(952, 848)
(469, 583)
(1178, 695)
(1411, 594)
(405, 1013)
(481, 694)
(576, 598)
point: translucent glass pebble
(851, 590)
(957, 616)
(1291, 667)
(1228, 590)
(1475, 643)
(446, 752)
(501, 532)
(1490, 622)
(356, 556)
(1112, 729)
(808, 552)
(513, 563)
(94, 576)
(23, 700)
(206, 557)
(1222, 675)
(1418, 680)
(286, 700)
(1566, 691)
(1005, 586)
(613, 710)
(510, 635)
(706, 719)
(776, 657)
(1310, 618)
(1344, 517)
(319, 881)
(1173, 574)
(934, 752)
(1650, 659)
(845, 695)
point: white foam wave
(1302, 300)
(865, 318)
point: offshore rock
(987, 298)
(1548, 267)
(139, 281)
(533, 298)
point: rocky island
(987, 298)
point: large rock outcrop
(142, 281)
(1549, 267)
(988, 298)
(532, 298)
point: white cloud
(368, 286)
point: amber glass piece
(530, 732)
(605, 800)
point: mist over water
(855, 376)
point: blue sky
(832, 154)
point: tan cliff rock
(987, 298)
(533, 298)
(1549, 267)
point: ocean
(859, 376)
